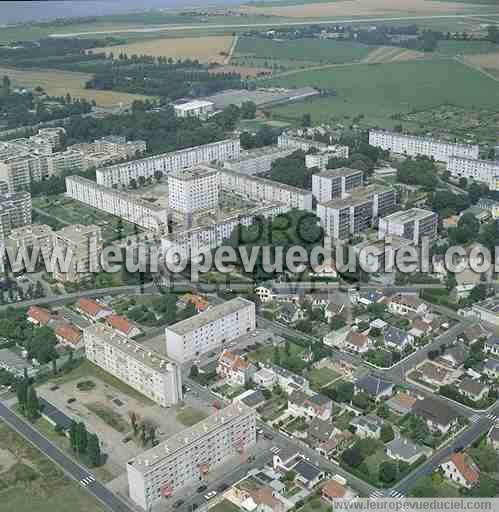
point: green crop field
(466, 47)
(378, 91)
(309, 50)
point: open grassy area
(378, 91)
(225, 506)
(110, 417)
(265, 353)
(59, 83)
(466, 47)
(36, 481)
(86, 370)
(189, 416)
(320, 377)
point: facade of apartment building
(335, 183)
(15, 212)
(210, 330)
(483, 171)
(166, 163)
(320, 160)
(413, 224)
(261, 189)
(189, 456)
(258, 160)
(85, 244)
(415, 146)
(147, 372)
(125, 205)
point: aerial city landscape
(249, 256)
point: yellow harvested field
(392, 54)
(204, 49)
(59, 83)
(486, 60)
(363, 8)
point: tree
(287, 348)
(93, 450)
(276, 356)
(337, 323)
(133, 421)
(32, 404)
(387, 472)
(493, 34)
(290, 476)
(344, 392)
(5, 86)
(133, 183)
(352, 457)
(194, 372)
(22, 393)
(248, 110)
(306, 120)
(78, 437)
(387, 434)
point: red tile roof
(233, 361)
(466, 467)
(90, 307)
(333, 489)
(68, 333)
(120, 323)
(40, 315)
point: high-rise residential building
(261, 189)
(15, 212)
(191, 455)
(483, 171)
(333, 183)
(424, 146)
(210, 330)
(64, 162)
(166, 163)
(342, 218)
(125, 205)
(33, 235)
(410, 224)
(194, 190)
(149, 373)
(320, 160)
(18, 172)
(85, 246)
(258, 160)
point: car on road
(222, 487)
(202, 488)
(178, 503)
(268, 435)
(259, 431)
(210, 495)
(71, 400)
(54, 388)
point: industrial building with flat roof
(190, 455)
(210, 330)
(145, 371)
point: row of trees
(85, 444)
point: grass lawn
(265, 353)
(378, 91)
(36, 481)
(320, 377)
(466, 47)
(225, 506)
(110, 417)
(86, 370)
(315, 504)
(189, 416)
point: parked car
(178, 503)
(202, 488)
(222, 487)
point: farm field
(377, 91)
(58, 83)
(29, 477)
(267, 53)
(488, 62)
(466, 47)
(204, 49)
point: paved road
(109, 500)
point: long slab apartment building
(210, 330)
(189, 456)
(342, 218)
(424, 146)
(258, 160)
(483, 171)
(116, 202)
(151, 374)
(122, 174)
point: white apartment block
(122, 204)
(55, 136)
(85, 244)
(33, 235)
(166, 163)
(195, 108)
(333, 183)
(262, 189)
(258, 160)
(414, 146)
(147, 372)
(118, 145)
(188, 457)
(483, 171)
(193, 190)
(210, 330)
(186, 244)
(342, 218)
(64, 162)
(289, 141)
(410, 224)
(320, 160)
(18, 172)
(15, 212)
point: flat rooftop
(156, 455)
(403, 216)
(340, 172)
(147, 357)
(193, 173)
(423, 139)
(491, 305)
(210, 315)
(194, 104)
(261, 152)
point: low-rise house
(420, 328)
(333, 491)
(235, 369)
(401, 403)
(38, 316)
(402, 449)
(333, 310)
(122, 325)
(491, 346)
(308, 474)
(337, 338)
(453, 357)
(367, 426)
(325, 270)
(460, 469)
(473, 389)
(368, 297)
(476, 332)
(493, 436)
(405, 304)
(434, 374)
(251, 398)
(68, 335)
(290, 313)
(313, 406)
(319, 432)
(375, 387)
(265, 378)
(93, 310)
(357, 342)
(290, 381)
(491, 368)
(397, 339)
(438, 416)
(200, 303)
